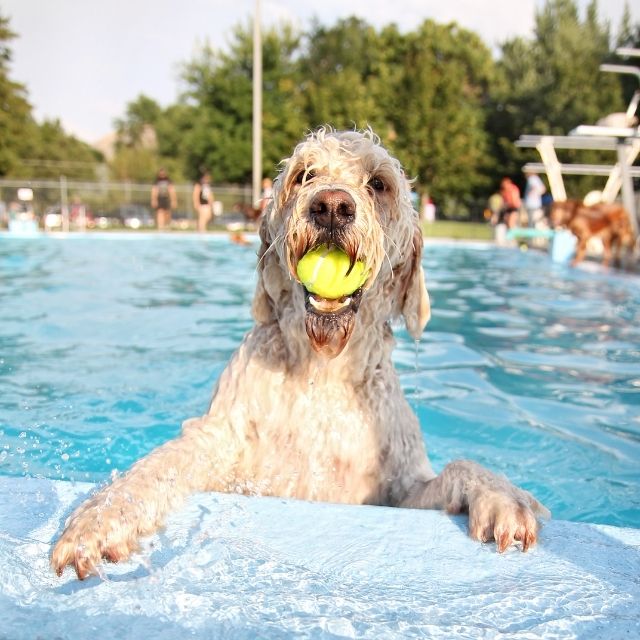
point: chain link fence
(74, 205)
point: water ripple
(108, 342)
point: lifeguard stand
(616, 132)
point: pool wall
(246, 567)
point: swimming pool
(107, 342)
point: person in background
(494, 213)
(78, 213)
(512, 202)
(163, 199)
(495, 205)
(533, 192)
(547, 203)
(428, 209)
(203, 200)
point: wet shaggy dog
(609, 222)
(310, 406)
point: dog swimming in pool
(310, 406)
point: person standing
(511, 202)
(533, 192)
(428, 212)
(163, 199)
(203, 200)
(495, 203)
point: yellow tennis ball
(323, 271)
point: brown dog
(609, 222)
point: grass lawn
(457, 230)
(438, 229)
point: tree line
(437, 96)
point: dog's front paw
(506, 517)
(95, 532)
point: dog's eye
(304, 175)
(377, 184)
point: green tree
(422, 92)
(29, 149)
(141, 114)
(628, 36)
(552, 83)
(220, 90)
(136, 156)
(51, 152)
(434, 95)
(567, 57)
(16, 123)
(134, 164)
(172, 129)
(338, 70)
(438, 85)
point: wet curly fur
(310, 406)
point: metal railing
(112, 201)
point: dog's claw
(84, 555)
(528, 540)
(504, 540)
(91, 536)
(503, 518)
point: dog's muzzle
(330, 323)
(332, 209)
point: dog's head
(562, 212)
(341, 189)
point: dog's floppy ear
(262, 307)
(415, 306)
(274, 282)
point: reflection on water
(553, 397)
(533, 369)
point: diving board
(624, 140)
(579, 169)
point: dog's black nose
(332, 209)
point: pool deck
(239, 567)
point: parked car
(53, 217)
(183, 220)
(134, 216)
(79, 216)
(105, 220)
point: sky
(82, 61)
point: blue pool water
(108, 342)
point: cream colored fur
(288, 419)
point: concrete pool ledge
(238, 567)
